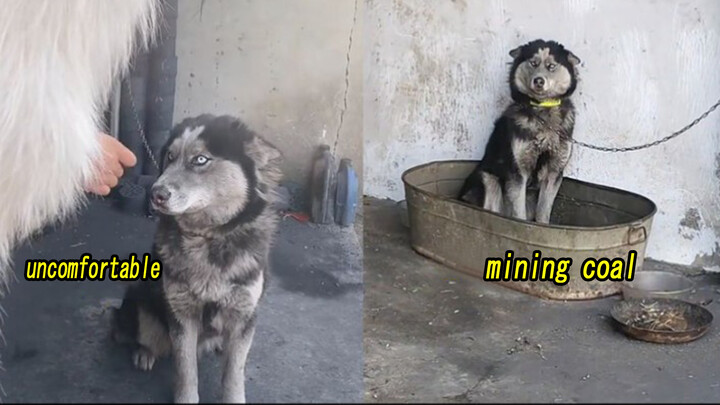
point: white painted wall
(435, 80)
(285, 67)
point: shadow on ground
(307, 346)
(436, 335)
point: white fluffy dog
(58, 60)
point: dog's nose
(160, 194)
(539, 81)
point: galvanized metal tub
(588, 221)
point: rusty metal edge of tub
(644, 223)
(517, 286)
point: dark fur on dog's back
(146, 294)
(213, 256)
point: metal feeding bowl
(658, 284)
(662, 320)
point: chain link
(141, 127)
(637, 147)
(559, 132)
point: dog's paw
(144, 359)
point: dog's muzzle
(160, 196)
(538, 83)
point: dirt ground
(307, 346)
(436, 335)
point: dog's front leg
(493, 193)
(237, 342)
(549, 187)
(184, 336)
(515, 190)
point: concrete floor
(436, 335)
(307, 346)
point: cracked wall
(284, 67)
(436, 79)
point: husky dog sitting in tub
(531, 143)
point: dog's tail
(473, 189)
(464, 189)
(474, 180)
(124, 324)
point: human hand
(110, 167)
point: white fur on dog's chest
(547, 141)
(542, 138)
(215, 289)
(208, 282)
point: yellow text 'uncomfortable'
(88, 269)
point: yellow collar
(551, 102)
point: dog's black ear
(515, 53)
(573, 59)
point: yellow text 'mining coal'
(556, 270)
(522, 269)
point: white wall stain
(437, 80)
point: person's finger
(125, 155)
(99, 189)
(116, 168)
(104, 190)
(110, 180)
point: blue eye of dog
(534, 63)
(551, 67)
(200, 160)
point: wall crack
(347, 81)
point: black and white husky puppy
(530, 144)
(215, 202)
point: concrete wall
(280, 65)
(436, 80)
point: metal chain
(141, 127)
(637, 147)
(559, 132)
